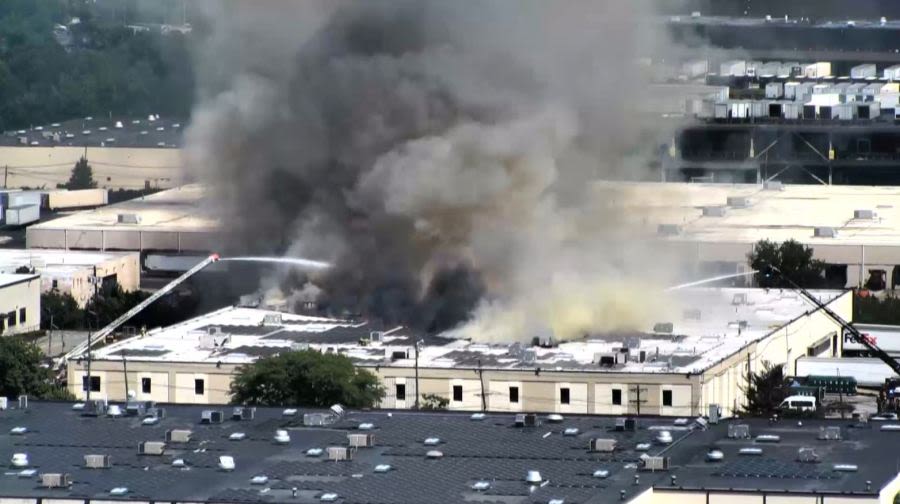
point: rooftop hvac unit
(668, 230)
(864, 214)
(338, 453)
(243, 413)
(739, 299)
(655, 463)
(151, 448)
(212, 417)
(23, 402)
(272, 319)
(129, 218)
(529, 356)
(664, 327)
(807, 455)
(824, 232)
(830, 433)
(625, 424)
(376, 336)
(714, 413)
(714, 211)
(773, 185)
(178, 436)
(56, 480)
(94, 408)
(315, 419)
(135, 408)
(361, 440)
(97, 461)
(398, 354)
(155, 412)
(526, 420)
(602, 445)
(738, 431)
(692, 314)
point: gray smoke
(439, 153)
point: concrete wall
(160, 166)
(16, 297)
(657, 496)
(118, 239)
(127, 270)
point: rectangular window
(564, 396)
(400, 391)
(199, 386)
(95, 383)
(145, 385)
(457, 393)
(667, 397)
(617, 397)
(514, 394)
(21, 315)
(11, 319)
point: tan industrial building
(72, 272)
(679, 367)
(173, 220)
(20, 303)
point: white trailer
(817, 70)
(863, 71)
(892, 73)
(21, 215)
(774, 90)
(81, 198)
(733, 68)
(868, 371)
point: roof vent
(533, 477)
(554, 418)
(477, 416)
(845, 468)
(18, 431)
(738, 201)
(114, 411)
(773, 185)
(282, 437)
(289, 412)
(714, 211)
(668, 230)
(178, 436)
(338, 453)
(714, 455)
(56, 480)
(212, 417)
(328, 497)
(526, 420)
(655, 463)
(237, 436)
(864, 214)
(807, 455)
(259, 480)
(314, 452)
(366, 426)
(602, 445)
(692, 314)
(382, 468)
(571, 431)
(751, 450)
(361, 440)
(432, 441)
(434, 454)
(738, 431)
(601, 473)
(243, 413)
(97, 462)
(128, 218)
(151, 448)
(768, 438)
(19, 460)
(338, 410)
(272, 319)
(376, 336)
(824, 232)
(739, 299)
(226, 463)
(480, 486)
(664, 437)
(117, 491)
(830, 433)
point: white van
(798, 403)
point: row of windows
(565, 395)
(146, 385)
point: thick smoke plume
(439, 153)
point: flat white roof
(729, 319)
(7, 279)
(778, 215)
(178, 209)
(57, 263)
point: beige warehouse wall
(113, 167)
(13, 298)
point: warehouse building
(677, 366)
(72, 272)
(152, 453)
(173, 220)
(853, 230)
(20, 303)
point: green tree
(82, 176)
(21, 371)
(306, 378)
(63, 309)
(766, 390)
(433, 402)
(793, 259)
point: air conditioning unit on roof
(151, 448)
(56, 480)
(212, 417)
(97, 461)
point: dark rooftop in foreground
(491, 450)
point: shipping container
(817, 70)
(790, 90)
(888, 100)
(733, 68)
(821, 89)
(23, 198)
(759, 109)
(21, 215)
(804, 91)
(80, 198)
(790, 69)
(739, 110)
(792, 110)
(770, 68)
(844, 111)
(774, 90)
(868, 372)
(887, 337)
(721, 110)
(892, 73)
(863, 71)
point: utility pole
(88, 387)
(417, 374)
(125, 373)
(5, 175)
(481, 379)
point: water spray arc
(710, 280)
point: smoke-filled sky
(438, 153)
